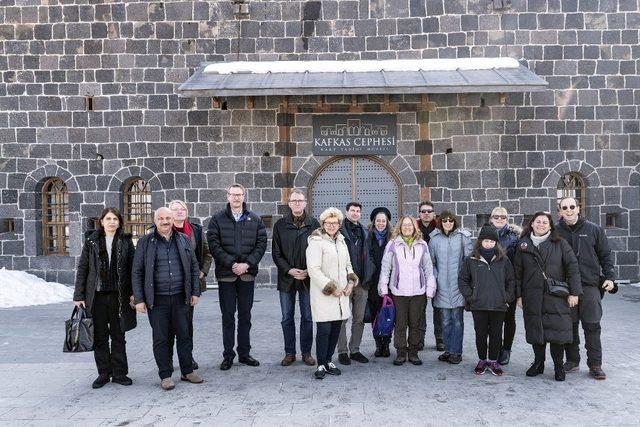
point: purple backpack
(385, 319)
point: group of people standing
(337, 269)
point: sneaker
(332, 369)
(343, 358)
(193, 378)
(288, 360)
(101, 380)
(167, 384)
(504, 357)
(308, 359)
(122, 380)
(495, 368)
(320, 373)
(444, 357)
(597, 372)
(570, 366)
(359, 357)
(481, 367)
(454, 359)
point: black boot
(378, 352)
(385, 350)
(559, 371)
(536, 368)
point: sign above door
(354, 134)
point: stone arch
(634, 178)
(588, 173)
(128, 172)
(40, 175)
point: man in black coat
(429, 222)
(290, 235)
(165, 284)
(237, 240)
(355, 236)
(591, 247)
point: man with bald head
(165, 284)
(591, 247)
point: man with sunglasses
(591, 247)
(429, 222)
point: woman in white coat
(332, 281)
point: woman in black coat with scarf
(547, 318)
(103, 288)
(379, 235)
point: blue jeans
(288, 307)
(453, 329)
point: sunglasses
(499, 217)
(445, 220)
(427, 211)
(572, 207)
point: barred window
(55, 217)
(137, 212)
(572, 185)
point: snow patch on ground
(19, 289)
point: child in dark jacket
(487, 282)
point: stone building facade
(88, 96)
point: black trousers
(557, 352)
(106, 324)
(592, 343)
(172, 334)
(171, 310)
(488, 325)
(236, 295)
(509, 326)
(327, 334)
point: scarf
(381, 236)
(185, 229)
(537, 240)
(408, 240)
(487, 254)
(298, 221)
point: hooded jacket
(407, 271)
(447, 254)
(487, 286)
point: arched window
(572, 185)
(137, 212)
(55, 217)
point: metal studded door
(363, 179)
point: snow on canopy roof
(361, 66)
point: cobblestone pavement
(42, 386)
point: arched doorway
(367, 180)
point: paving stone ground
(42, 386)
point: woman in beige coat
(332, 281)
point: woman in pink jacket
(408, 273)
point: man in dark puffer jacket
(591, 247)
(237, 240)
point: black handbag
(556, 288)
(78, 332)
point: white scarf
(536, 240)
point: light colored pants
(358, 301)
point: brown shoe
(167, 384)
(288, 359)
(193, 378)
(308, 359)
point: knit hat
(488, 232)
(376, 211)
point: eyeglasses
(297, 201)
(499, 216)
(426, 211)
(235, 194)
(445, 220)
(572, 207)
(332, 223)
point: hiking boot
(504, 357)
(559, 372)
(122, 380)
(167, 384)
(495, 368)
(308, 359)
(413, 358)
(249, 361)
(536, 368)
(481, 367)
(320, 373)
(444, 357)
(343, 358)
(101, 380)
(570, 366)
(193, 378)
(454, 359)
(332, 369)
(400, 359)
(288, 360)
(359, 357)
(597, 372)
(385, 350)
(378, 352)
(439, 345)
(226, 364)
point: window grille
(55, 217)
(137, 212)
